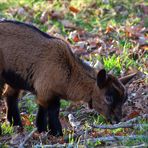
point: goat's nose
(117, 116)
(113, 119)
(117, 119)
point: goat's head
(109, 95)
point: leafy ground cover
(109, 31)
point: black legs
(13, 114)
(54, 124)
(41, 120)
(1, 86)
(52, 119)
(46, 117)
(11, 97)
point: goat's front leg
(54, 124)
(41, 120)
(49, 114)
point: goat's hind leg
(11, 98)
(1, 78)
(1, 86)
(1, 91)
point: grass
(65, 104)
(99, 120)
(27, 104)
(140, 131)
(112, 62)
(7, 129)
(90, 20)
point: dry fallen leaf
(73, 9)
(133, 31)
(74, 36)
(133, 115)
(145, 47)
(109, 29)
(56, 15)
(25, 119)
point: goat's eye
(109, 99)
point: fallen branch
(27, 138)
(82, 133)
(57, 145)
(68, 145)
(115, 126)
(115, 138)
(127, 124)
(140, 145)
(101, 139)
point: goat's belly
(16, 80)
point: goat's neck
(80, 89)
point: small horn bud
(127, 78)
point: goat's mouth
(113, 118)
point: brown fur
(46, 66)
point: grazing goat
(44, 65)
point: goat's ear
(101, 78)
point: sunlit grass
(64, 104)
(104, 15)
(113, 63)
(7, 129)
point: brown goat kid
(44, 65)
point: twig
(27, 138)
(140, 145)
(57, 145)
(115, 126)
(126, 124)
(115, 138)
(72, 145)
